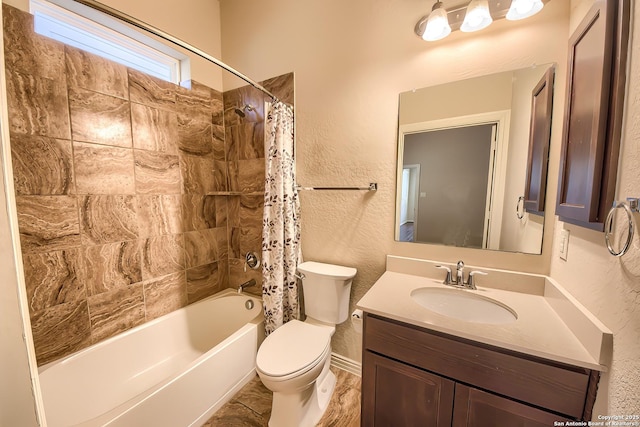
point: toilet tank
(326, 289)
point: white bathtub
(174, 371)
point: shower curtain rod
(168, 37)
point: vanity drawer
(553, 386)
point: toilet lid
(328, 270)
(291, 348)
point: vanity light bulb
(437, 25)
(477, 17)
(521, 9)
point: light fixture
(477, 16)
(472, 15)
(521, 9)
(437, 24)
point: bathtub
(173, 371)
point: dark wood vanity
(412, 376)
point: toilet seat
(293, 349)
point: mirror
(463, 154)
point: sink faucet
(471, 284)
(447, 280)
(460, 273)
(459, 280)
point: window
(87, 29)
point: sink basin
(464, 305)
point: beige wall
(481, 95)
(351, 60)
(610, 287)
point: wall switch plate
(564, 244)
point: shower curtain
(281, 220)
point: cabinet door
(539, 138)
(593, 111)
(476, 408)
(395, 394)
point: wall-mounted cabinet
(539, 137)
(593, 114)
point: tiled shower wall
(246, 166)
(118, 178)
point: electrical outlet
(564, 244)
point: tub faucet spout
(247, 284)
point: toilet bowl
(293, 361)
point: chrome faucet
(247, 284)
(471, 284)
(447, 280)
(460, 273)
(459, 280)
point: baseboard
(346, 364)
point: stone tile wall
(117, 177)
(246, 167)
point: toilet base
(305, 407)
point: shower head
(242, 111)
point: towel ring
(518, 214)
(608, 229)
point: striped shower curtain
(281, 220)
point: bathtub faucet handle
(251, 260)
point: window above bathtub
(80, 26)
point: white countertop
(550, 323)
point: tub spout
(246, 284)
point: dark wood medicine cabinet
(539, 138)
(593, 114)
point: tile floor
(251, 406)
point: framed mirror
(464, 161)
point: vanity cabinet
(593, 114)
(413, 376)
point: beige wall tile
(160, 214)
(107, 219)
(88, 71)
(60, 330)
(195, 134)
(197, 172)
(99, 118)
(151, 91)
(162, 255)
(154, 129)
(200, 247)
(199, 212)
(53, 278)
(157, 173)
(100, 169)
(29, 52)
(48, 223)
(165, 294)
(203, 281)
(42, 165)
(38, 105)
(115, 311)
(111, 266)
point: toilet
(293, 361)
